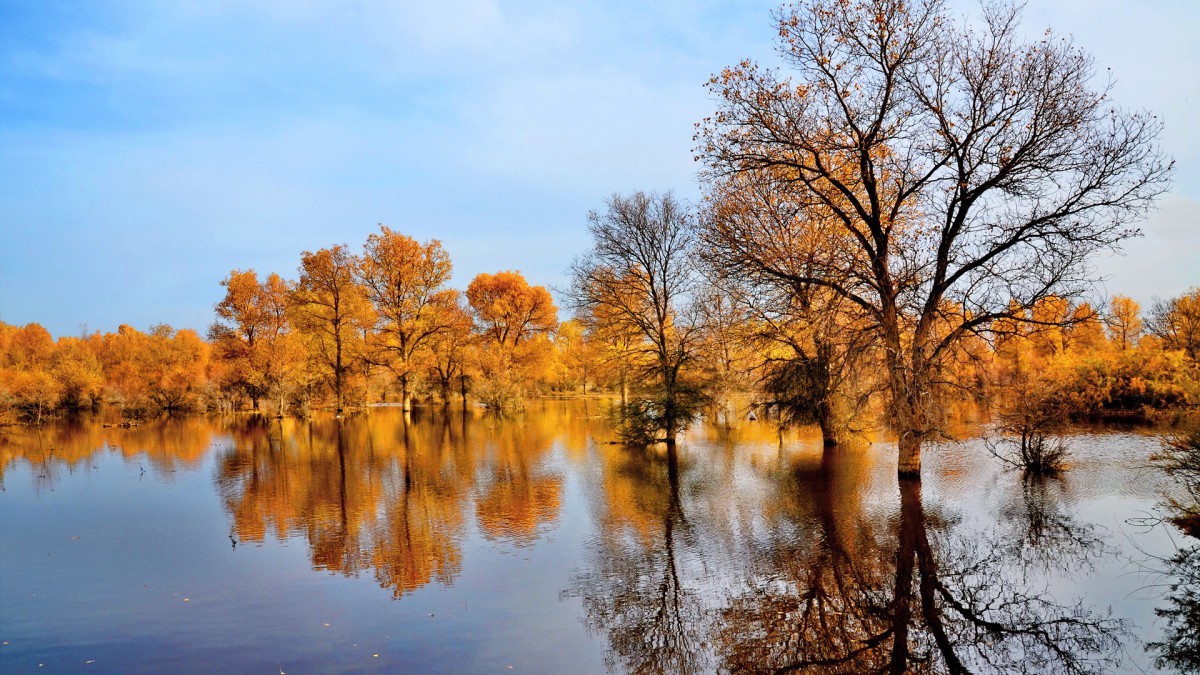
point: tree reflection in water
(517, 498)
(1042, 534)
(1180, 647)
(825, 588)
(948, 606)
(636, 595)
(1180, 615)
(748, 558)
(389, 496)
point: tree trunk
(337, 372)
(671, 421)
(909, 466)
(405, 396)
(908, 383)
(829, 434)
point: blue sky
(147, 148)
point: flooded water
(462, 543)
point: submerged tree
(812, 340)
(453, 350)
(406, 282)
(955, 176)
(252, 336)
(332, 308)
(640, 276)
(242, 318)
(514, 320)
(1028, 426)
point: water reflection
(1042, 533)
(824, 586)
(390, 496)
(810, 595)
(1180, 645)
(635, 595)
(915, 596)
(731, 552)
(518, 495)
(162, 448)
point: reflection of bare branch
(1180, 647)
(945, 606)
(1180, 459)
(635, 594)
(1041, 534)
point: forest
(898, 226)
(382, 325)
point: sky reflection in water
(460, 543)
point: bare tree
(950, 176)
(1177, 323)
(813, 342)
(640, 275)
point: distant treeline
(382, 325)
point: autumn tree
(77, 369)
(618, 344)
(811, 340)
(514, 320)
(332, 309)
(119, 358)
(27, 379)
(1086, 330)
(955, 169)
(235, 333)
(1048, 321)
(452, 350)
(725, 350)
(576, 356)
(162, 370)
(253, 338)
(284, 353)
(1124, 322)
(406, 282)
(641, 275)
(172, 365)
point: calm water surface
(462, 543)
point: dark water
(461, 543)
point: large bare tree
(950, 175)
(640, 277)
